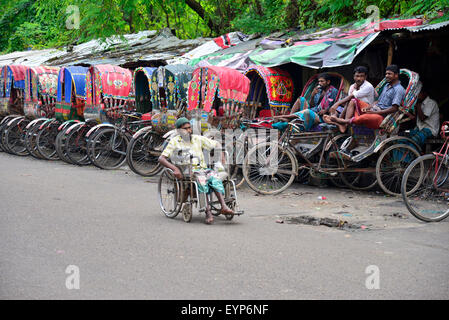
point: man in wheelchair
(207, 179)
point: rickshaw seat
(146, 116)
(266, 113)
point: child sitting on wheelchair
(208, 180)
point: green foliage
(42, 23)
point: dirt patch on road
(332, 207)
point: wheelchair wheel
(169, 192)
(187, 212)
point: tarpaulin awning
(333, 47)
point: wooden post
(390, 52)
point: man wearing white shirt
(427, 118)
(361, 89)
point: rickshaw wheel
(187, 212)
(108, 148)
(138, 155)
(361, 181)
(169, 193)
(60, 144)
(391, 166)
(31, 139)
(269, 174)
(14, 138)
(45, 141)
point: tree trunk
(196, 6)
(292, 14)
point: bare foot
(209, 218)
(226, 210)
(327, 119)
(334, 118)
(342, 127)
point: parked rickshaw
(161, 94)
(142, 86)
(217, 97)
(168, 95)
(40, 97)
(12, 86)
(270, 94)
(70, 103)
(71, 95)
(380, 156)
(108, 94)
(271, 91)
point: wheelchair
(181, 195)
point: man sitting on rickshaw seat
(207, 179)
(390, 99)
(361, 92)
(427, 118)
(310, 113)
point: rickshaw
(181, 195)
(217, 97)
(168, 95)
(12, 86)
(40, 97)
(108, 94)
(360, 167)
(270, 94)
(161, 95)
(142, 85)
(383, 153)
(271, 91)
(69, 108)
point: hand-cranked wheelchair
(180, 195)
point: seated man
(207, 179)
(310, 113)
(428, 118)
(389, 101)
(361, 92)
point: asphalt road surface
(59, 221)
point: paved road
(108, 224)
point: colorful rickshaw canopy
(41, 81)
(226, 83)
(111, 81)
(72, 75)
(277, 82)
(174, 79)
(12, 76)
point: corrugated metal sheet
(146, 45)
(428, 27)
